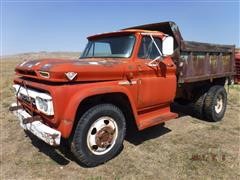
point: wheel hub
(219, 104)
(104, 137)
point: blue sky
(32, 26)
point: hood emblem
(71, 75)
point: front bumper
(42, 131)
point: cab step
(155, 117)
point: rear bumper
(42, 131)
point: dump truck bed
(196, 61)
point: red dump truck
(132, 75)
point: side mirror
(167, 45)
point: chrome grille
(27, 99)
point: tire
(215, 103)
(99, 135)
(198, 104)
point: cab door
(156, 85)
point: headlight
(44, 105)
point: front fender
(66, 124)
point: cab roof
(124, 31)
(170, 28)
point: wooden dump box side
(202, 61)
(196, 61)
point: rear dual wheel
(215, 103)
(210, 104)
(198, 103)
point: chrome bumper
(42, 131)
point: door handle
(130, 76)
(170, 65)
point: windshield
(115, 46)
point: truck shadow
(185, 110)
(182, 110)
(61, 154)
(136, 137)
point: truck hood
(55, 70)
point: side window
(147, 48)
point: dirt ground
(185, 148)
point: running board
(155, 117)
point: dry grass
(185, 148)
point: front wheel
(215, 103)
(99, 134)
